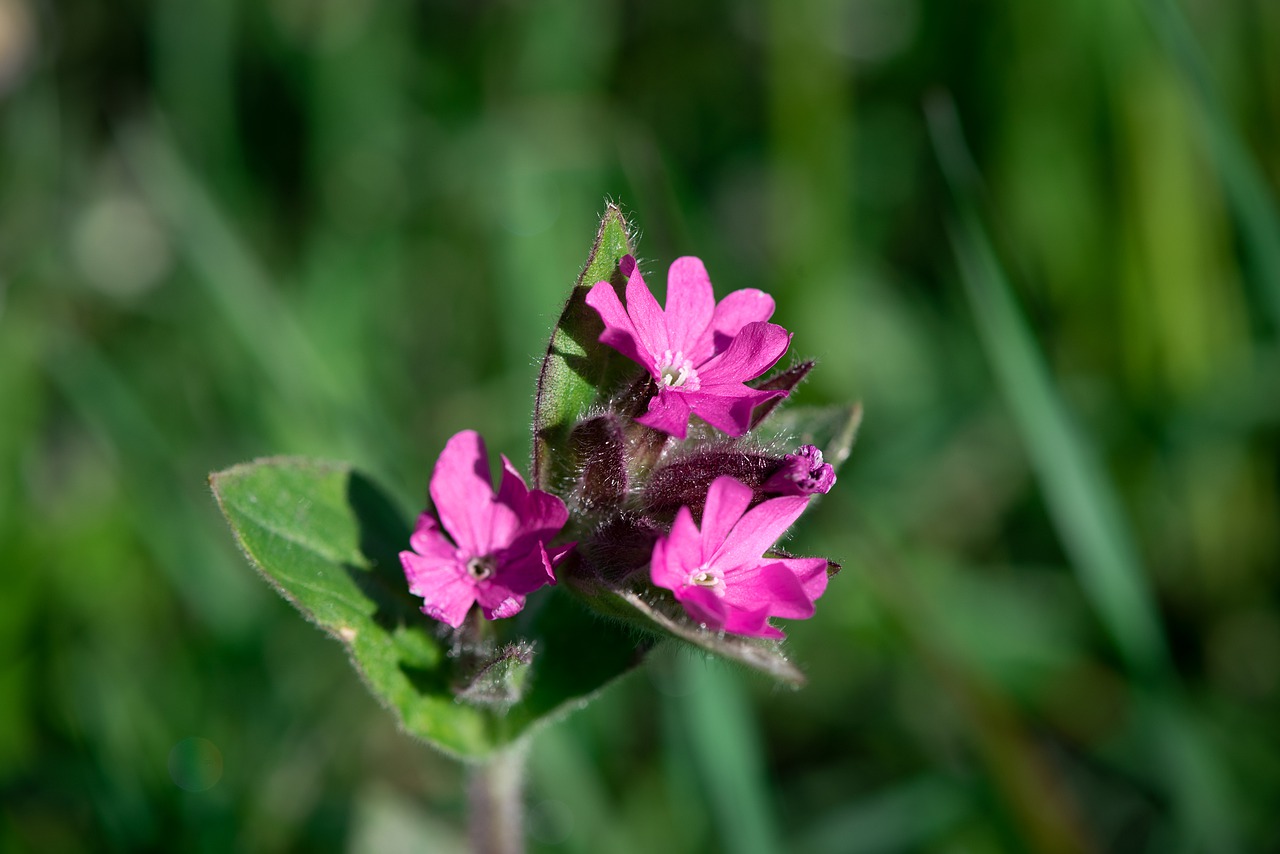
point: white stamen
(480, 568)
(705, 576)
(677, 371)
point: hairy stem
(496, 793)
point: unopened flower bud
(599, 450)
(802, 473)
(684, 482)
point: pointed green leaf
(328, 540)
(578, 369)
(659, 615)
(833, 429)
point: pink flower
(802, 473)
(699, 353)
(493, 547)
(717, 573)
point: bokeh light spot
(119, 247)
(195, 764)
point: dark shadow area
(578, 653)
(434, 682)
(383, 535)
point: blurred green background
(344, 228)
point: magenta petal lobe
(446, 594)
(690, 304)
(499, 550)
(648, 318)
(755, 349)
(732, 313)
(462, 491)
(718, 572)
(668, 412)
(619, 332)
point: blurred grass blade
(1086, 511)
(301, 371)
(235, 280)
(904, 818)
(564, 773)
(1245, 182)
(1081, 501)
(726, 750)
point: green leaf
(327, 538)
(659, 615)
(578, 370)
(833, 429)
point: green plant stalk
(496, 796)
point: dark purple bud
(619, 548)
(802, 473)
(685, 481)
(599, 450)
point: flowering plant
(663, 475)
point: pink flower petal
(802, 473)
(690, 304)
(521, 573)
(728, 407)
(704, 607)
(559, 553)
(668, 412)
(677, 554)
(768, 584)
(446, 592)
(512, 490)
(755, 349)
(619, 332)
(545, 514)
(758, 530)
(499, 537)
(661, 571)
(752, 623)
(508, 607)
(732, 313)
(811, 572)
(727, 500)
(462, 493)
(509, 515)
(647, 317)
(427, 539)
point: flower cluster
(701, 513)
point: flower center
(677, 371)
(705, 576)
(480, 568)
